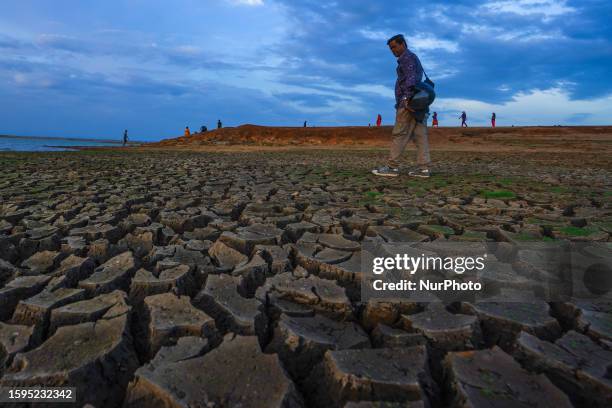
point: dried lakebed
(170, 279)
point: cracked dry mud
(172, 279)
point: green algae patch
(559, 190)
(472, 236)
(370, 198)
(531, 237)
(434, 230)
(373, 195)
(544, 223)
(577, 231)
(500, 194)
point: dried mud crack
(157, 278)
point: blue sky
(92, 68)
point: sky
(88, 68)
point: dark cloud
(495, 49)
(311, 100)
(331, 58)
(10, 43)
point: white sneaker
(386, 171)
(423, 173)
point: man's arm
(409, 65)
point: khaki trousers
(406, 129)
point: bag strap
(426, 76)
(424, 73)
(423, 69)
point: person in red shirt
(379, 120)
(435, 120)
(187, 131)
(493, 119)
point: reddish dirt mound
(582, 138)
(264, 135)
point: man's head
(397, 45)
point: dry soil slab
(81, 356)
(236, 373)
(391, 374)
(492, 378)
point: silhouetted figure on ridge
(187, 131)
(219, 124)
(493, 116)
(305, 123)
(463, 118)
(125, 137)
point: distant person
(409, 123)
(463, 118)
(378, 120)
(187, 131)
(203, 129)
(493, 120)
(434, 122)
(125, 137)
(219, 124)
(305, 123)
(369, 125)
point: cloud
(188, 49)
(547, 9)
(536, 107)
(10, 43)
(428, 42)
(313, 103)
(376, 89)
(419, 41)
(20, 78)
(249, 2)
(506, 34)
(375, 35)
(63, 42)
(530, 35)
(286, 61)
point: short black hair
(399, 38)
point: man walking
(493, 120)
(463, 118)
(125, 137)
(409, 124)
